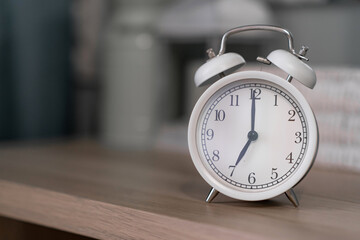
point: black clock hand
(252, 135)
(243, 151)
(253, 112)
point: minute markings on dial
(212, 106)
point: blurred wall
(331, 31)
(35, 73)
(41, 43)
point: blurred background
(122, 71)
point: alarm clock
(252, 135)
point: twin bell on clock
(252, 135)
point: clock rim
(295, 178)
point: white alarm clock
(252, 135)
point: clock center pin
(252, 135)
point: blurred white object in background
(335, 101)
(135, 65)
(132, 74)
(194, 19)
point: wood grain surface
(85, 188)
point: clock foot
(212, 194)
(290, 194)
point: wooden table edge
(100, 219)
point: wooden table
(84, 188)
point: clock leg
(212, 194)
(290, 194)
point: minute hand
(253, 112)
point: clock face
(252, 136)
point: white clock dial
(225, 126)
(253, 136)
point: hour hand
(252, 136)
(243, 151)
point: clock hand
(253, 112)
(243, 151)
(252, 135)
